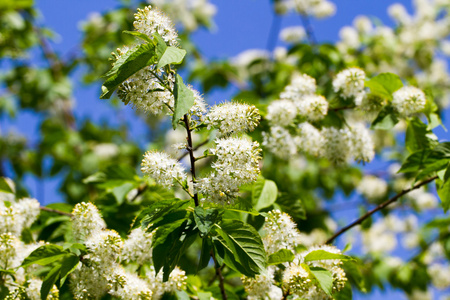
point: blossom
(300, 85)
(337, 146)
(280, 142)
(372, 187)
(18, 215)
(237, 164)
(293, 34)
(161, 167)
(310, 139)
(312, 107)
(408, 100)
(281, 112)
(440, 275)
(261, 286)
(176, 282)
(280, 232)
(350, 83)
(362, 146)
(138, 247)
(86, 220)
(233, 117)
(149, 21)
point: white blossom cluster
(350, 84)
(233, 117)
(150, 20)
(161, 167)
(18, 215)
(372, 187)
(316, 8)
(280, 232)
(101, 273)
(408, 100)
(237, 164)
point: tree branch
(63, 213)
(191, 154)
(379, 207)
(220, 276)
(309, 29)
(194, 149)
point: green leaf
(443, 191)
(415, 161)
(171, 55)
(264, 193)
(135, 59)
(281, 256)
(163, 212)
(184, 99)
(244, 242)
(4, 291)
(386, 119)
(121, 191)
(206, 218)
(345, 293)
(292, 206)
(324, 255)
(161, 45)
(324, 278)
(5, 186)
(140, 35)
(205, 255)
(45, 255)
(68, 265)
(384, 84)
(418, 136)
(49, 281)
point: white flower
(363, 24)
(349, 37)
(33, 290)
(177, 281)
(408, 100)
(301, 84)
(311, 140)
(237, 164)
(312, 107)
(138, 247)
(281, 112)
(280, 142)
(104, 247)
(337, 147)
(324, 9)
(294, 34)
(350, 83)
(280, 232)
(199, 107)
(106, 150)
(161, 167)
(18, 215)
(131, 287)
(149, 21)
(362, 146)
(260, 286)
(440, 275)
(233, 117)
(86, 220)
(372, 188)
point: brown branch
(379, 207)
(191, 154)
(342, 108)
(140, 191)
(194, 149)
(220, 276)
(63, 213)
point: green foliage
(281, 256)
(264, 193)
(384, 84)
(184, 99)
(325, 255)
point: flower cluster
(408, 100)
(149, 21)
(237, 164)
(233, 117)
(316, 8)
(350, 84)
(161, 167)
(372, 188)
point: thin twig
(191, 154)
(273, 33)
(379, 207)
(194, 149)
(63, 213)
(342, 108)
(140, 191)
(309, 29)
(220, 276)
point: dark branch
(194, 149)
(220, 276)
(379, 207)
(191, 154)
(63, 213)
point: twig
(191, 154)
(63, 213)
(342, 108)
(309, 29)
(140, 191)
(220, 276)
(273, 33)
(194, 149)
(379, 207)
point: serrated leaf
(140, 35)
(418, 136)
(171, 55)
(129, 63)
(325, 255)
(45, 255)
(163, 212)
(206, 218)
(5, 186)
(324, 278)
(384, 84)
(205, 255)
(281, 256)
(292, 206)
(245, 244)
(386, 119)
(264, 193)
(68, 265)
(184, 99)
(444, 194)
(49, 281)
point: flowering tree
(234, 200)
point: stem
(195, 148)
(309, 29)
(379, 207)
(273, 33)
(220, 276)
(63, 213)
(191, 154)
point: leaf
(140, 35)
(163, 212)
(345, 293)
(129, 63)
(292, 206)
(384, 84)
(325, 255)
(245, 244)
(324, 278)
(418, 136)
(184, 99)
(4, 291)
(264, 193)
(414, 162)
(45, 255)
(444, 194)
(281, 256)
(68, 265)
(206, 218)
(205, 255)
(5, 186)
(171, 55)
(386, 119)
(49, 281)
(121, 191)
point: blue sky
(241, 25)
